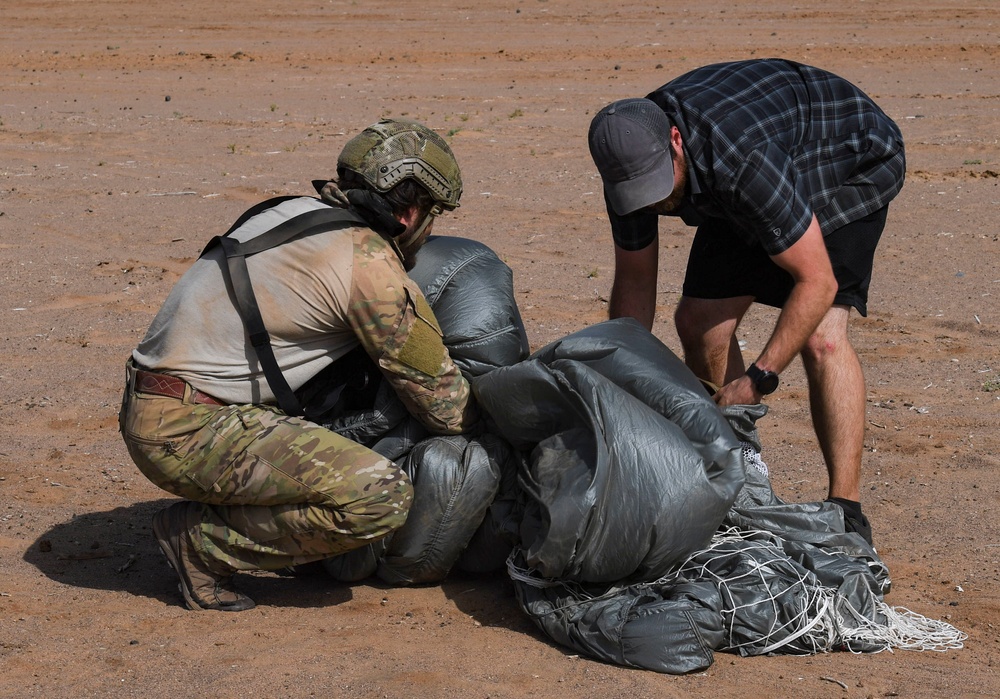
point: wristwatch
(766, 382)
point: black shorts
(723, 265)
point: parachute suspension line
(826, 620)
(576, 593)
(795, 607)
(805, 616)
(903, 629)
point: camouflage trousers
(274, 490)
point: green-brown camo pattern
(398, 330)
(278, 490)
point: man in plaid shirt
(787, 172)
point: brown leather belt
(169, 386)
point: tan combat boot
(202, 588)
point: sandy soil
(132, 132)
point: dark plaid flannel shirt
(771, 142)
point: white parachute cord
(811, 614)
(817, 620)
(530, 576)
(903, 629)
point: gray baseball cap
(630, 144)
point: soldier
(787, 172)
(209, 411)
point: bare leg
(707, 330)
(837, 401)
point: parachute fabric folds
(472, 293)
(457, 478)
(631, 469)
(608, 465)
(634, 516)
(672, 628)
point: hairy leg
(837, 401)
(707, 331)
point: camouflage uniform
(277, 490)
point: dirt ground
(130, 133)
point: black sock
(851, 507)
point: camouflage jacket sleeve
(397, 328)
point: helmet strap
(435, 210)
(409, 243)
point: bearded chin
(409, 260)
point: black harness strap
(316, 221)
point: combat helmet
(393, 150)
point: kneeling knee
(384, 506)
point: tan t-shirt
(320, 296)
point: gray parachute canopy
(635, 517)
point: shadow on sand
(114, 550)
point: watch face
(768, 383)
